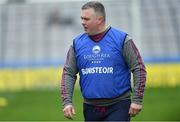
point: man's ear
(100, 19)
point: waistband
(107, 102)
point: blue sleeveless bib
(102, 69)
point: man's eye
(86, 19)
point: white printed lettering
(98, 70)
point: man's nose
(82, 22)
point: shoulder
(117, 31)
(118, 35)
(128, 39)
(80, 36)
(80, 40)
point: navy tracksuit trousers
(116, 112)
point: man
(104, 57)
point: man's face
(89, 21)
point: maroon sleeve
(135, 63)
(69, 77)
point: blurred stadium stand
(39, 34)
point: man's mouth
(85, 28)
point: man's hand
(69, 111)
(134, 109)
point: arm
(137, 67)
(67, 83)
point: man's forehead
(88, 10)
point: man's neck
(100, 29)
(97, 37)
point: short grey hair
(97, 6)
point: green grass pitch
(159, 104)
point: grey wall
(40, 34)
